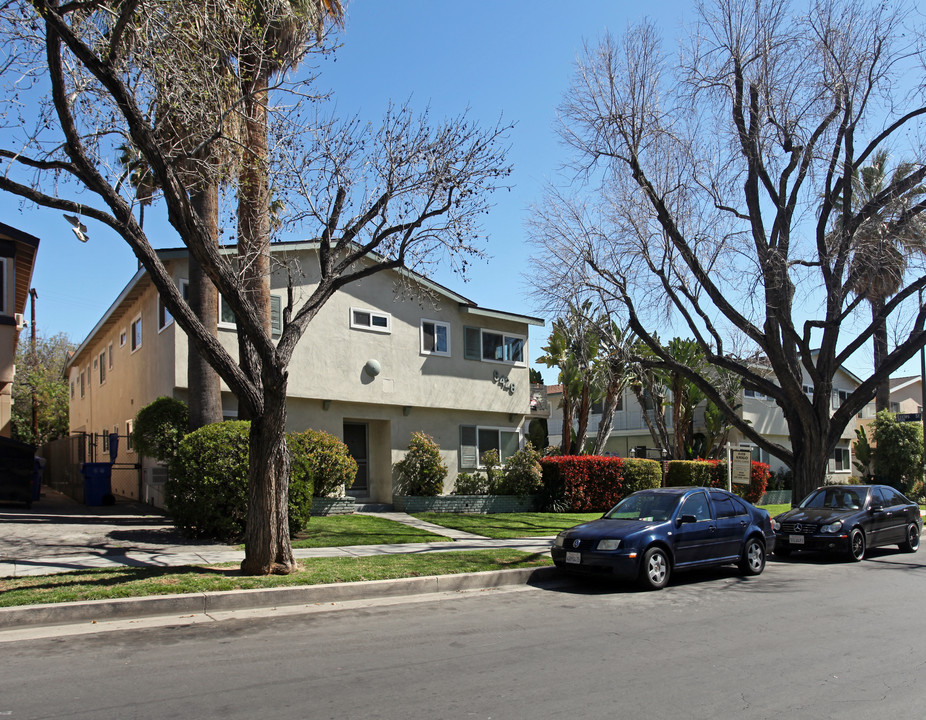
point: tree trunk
(267, 543)
(585, 407)
(566, 442)
(608, 408)
(254, 216)
(205, 386)
(879, 337)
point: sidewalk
(60, 535)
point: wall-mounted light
(372, 368)
(326, 404)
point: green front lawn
(138, 582)
(508, 525)
(359, 529)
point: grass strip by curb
(139, 582)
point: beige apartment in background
(387, 356)
(17, 260)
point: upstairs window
(435, 338)
(841, 460)
(227, 316)
(102, 368)
(363, 319)
(123, 337)
(135, 334)
(164, 316)
(490, 346)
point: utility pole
(35, 364)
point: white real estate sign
(742, 466)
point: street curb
(205, 603)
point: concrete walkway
(60, 535)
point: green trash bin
(97, 483)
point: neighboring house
(375, 365)
(907, 396)
(630, 436)
(17, 259)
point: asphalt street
(810, 638)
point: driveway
(57, 525)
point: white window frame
(165, 319)
(482, 428)
(839, 397)
(102, 371)
(83, 387)
(276, 329)
(123, 337)
(436, 324)
(132, 335)
(109, 355)
(184, 286)
(129, 427)
(385, 329)
(506, 336)
(845, 460)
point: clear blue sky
(511, 59)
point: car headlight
(832, 527)
(776, 525)
(609, 544)
(560, 539)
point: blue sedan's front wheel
(654, 575)
(753, 560)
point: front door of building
(357, 439)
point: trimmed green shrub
(471, 484)
(898, 452)
(588, 483)
(159, 428)
(713, 473)
(327, 460)
(522, 474)
(207, 491)
(421, 471)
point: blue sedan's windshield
(646, 506)
(835, 497)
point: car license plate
(574, 557)
(796, 539)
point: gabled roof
(903, 382)
(141, 281)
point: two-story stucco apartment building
(376, 364)
(630, 435)
(17, 259)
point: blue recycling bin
(97, 482)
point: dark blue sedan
(652, 533)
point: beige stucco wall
(414, 391)
(909, 397)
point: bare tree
(719, 178)
(379, 200)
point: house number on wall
(503, 382)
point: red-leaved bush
(589, 483)
(713, 473)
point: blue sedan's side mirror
(687, 519)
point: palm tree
(881, 245)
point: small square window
(123, 336)
(435, 337)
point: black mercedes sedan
(652, 533)
(848, 519)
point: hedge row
(589, 483)
(713, 473)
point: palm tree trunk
(205, 387)
(879, 337)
